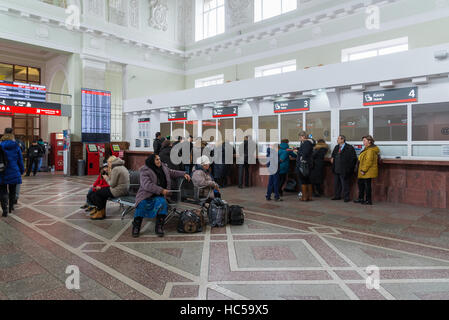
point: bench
(185, 192)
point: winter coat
(272, 170)
(368, 162)
(157, 145)
(305, 152)
(344, 162)
(14, 169)
(222, 170)
(34, 151)
(201, 179)
(42, 146)
(164, 154)
(317, 174)
(148, 182)
(118, 179)
(100, 182)
(284, 157)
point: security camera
(441, 54)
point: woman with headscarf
(156, 179)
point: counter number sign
(382, 97)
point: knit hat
(204, 160)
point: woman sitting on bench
(155, 183)
(100, 183)
(118, 180)
(202, 178)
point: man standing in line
(34, 153)
(157, 143)
(343, 162)
(245, 165)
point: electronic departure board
(22, 91)
(96, 115)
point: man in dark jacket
(343, 161)
(157, 143)
(317, 173)
(34, 153)
(245, 164)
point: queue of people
(159, 174)
(310, 157)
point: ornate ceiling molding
(286, 27)
(158, 15)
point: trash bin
(81, 168)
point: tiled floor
(285, 250)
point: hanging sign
(292, 105)
(173, 116)
(143, 120)
(402, 95)
(30, 107)
(223, 112)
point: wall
(420, 35)
(141, 82)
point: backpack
(236, 215)
(290, 186)
(218, 213)
(3, 160)
(190, 222)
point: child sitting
(98, 184)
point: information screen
(22, 91)
(93, 148)
(96, 115)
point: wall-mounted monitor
(96, 115)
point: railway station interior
(96, 86)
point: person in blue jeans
(273, 169)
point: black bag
(236, 215)
(3, 160)
(190, 222)
(218, 213)
(35, 153)
(304, 168)
(290, 186)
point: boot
(159, 229)
(99, 214)
(309, 192)
(137, 223)
(84, 206)
(304, 192)
(4, 203)
(11, 205)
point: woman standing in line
(368, 170)
(12, 173)
(304, 164)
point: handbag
(304, 168)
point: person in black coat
(157, 143)
(34, 153)
(305, 152)
(317, 174)
(243, 167)
(343, 161)
(164, 155)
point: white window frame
(209, 81)
(281, 66)
(375, 49)
(259, 4)
(200, 32)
